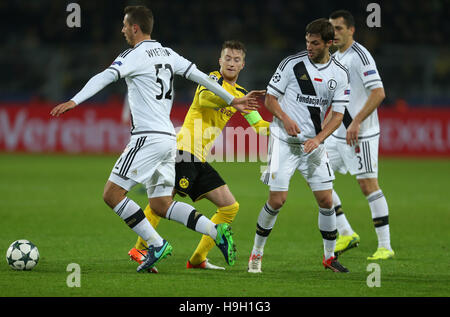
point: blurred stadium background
(44, 62)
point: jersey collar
(347, 50)
(143, 42)
(324, 66)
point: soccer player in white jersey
(303, 88)
(353, 147)
(148, 69)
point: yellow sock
(154, 221)
(223, 215)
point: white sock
(380, 215)
(191, 218)
(134, 217)
(327, 227)
(266, 220)
(342, 224)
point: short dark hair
(323, 27)
(234, 45)
(346, 15)
(141, 16)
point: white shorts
(285, 158)
(148, 160)
(360, 160)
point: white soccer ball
(22, 255)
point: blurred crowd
(42, 56)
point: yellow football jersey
(206, 118)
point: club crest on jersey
(332, 84)
(212, 76)
(117, 63)
(276, 78)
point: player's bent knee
(221, 197)
(368, 185)
(277, 200)
(113, 194)
(107, 199)
(324, 199)
(325, 202)
(160, 205)
(276, 204)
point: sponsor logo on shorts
(184, 183)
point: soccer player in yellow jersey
(195, 177)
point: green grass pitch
(56, 202)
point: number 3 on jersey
(168, 94)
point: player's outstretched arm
(93, 86)
(328, 128)
(243, 104)
(210, 100)
(256, 94)
(249, 102)
(63, 107)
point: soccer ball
(22, 255)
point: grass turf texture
(56, 202)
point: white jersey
(149, 69)
(364, 77)
(305, 91)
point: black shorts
(194, 177)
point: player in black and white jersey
(149, 69)
(353, 147)
(300, 92)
